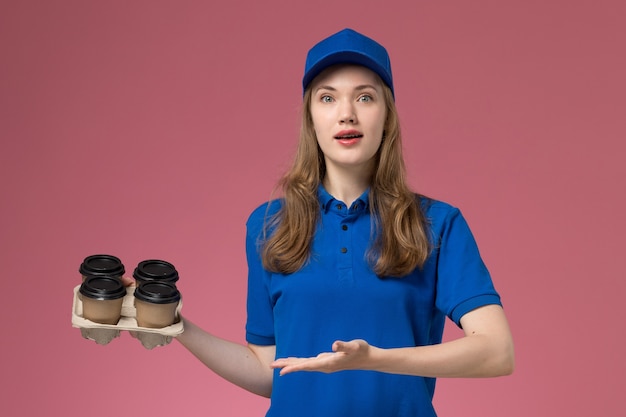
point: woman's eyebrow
(357, 88)
(325, 87)
(365, 87)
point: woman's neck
(344, 185)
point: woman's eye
(365, 98)
(326, 99)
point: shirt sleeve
(463, 281)
(260, 321)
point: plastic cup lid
(157, 292)
(156, 270)
(103, 288)
(100, 265)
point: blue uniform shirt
(337, 296)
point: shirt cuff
(472, 304)
(255, 339)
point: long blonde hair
(401, 242)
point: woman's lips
(348, 137)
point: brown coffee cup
(156, 303)
(102, 299)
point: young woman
(351, 275)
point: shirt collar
(326, 200)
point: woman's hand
(354, 354)
(128, 281)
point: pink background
(150, 129)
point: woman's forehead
(346, 74)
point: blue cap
(347, 47)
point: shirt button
(344, 227)
(344, 250)
(339, 206)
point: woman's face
(348, 112)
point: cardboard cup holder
(103, 334)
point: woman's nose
(347, 114)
